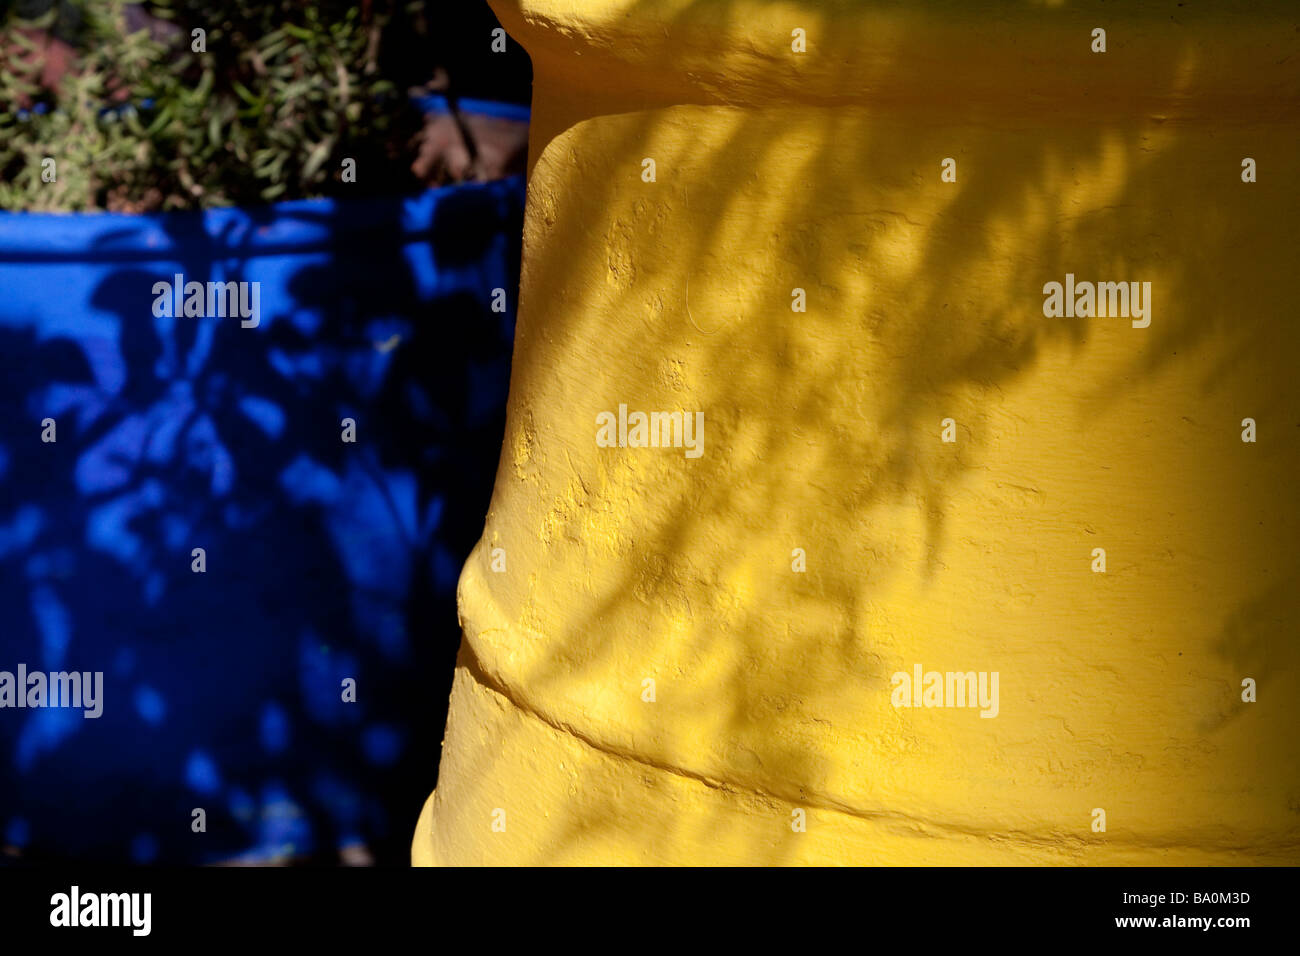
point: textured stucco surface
(775, 170)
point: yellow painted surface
(776, 170)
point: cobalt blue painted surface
(438, 104)
(324, 560)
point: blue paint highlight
(201, 774)
(149, 704)
(382, 744)
(274, 730)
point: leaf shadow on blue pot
(322, 560)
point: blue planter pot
(323, 561)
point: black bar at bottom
(487, 907)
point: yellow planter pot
(914, 456)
